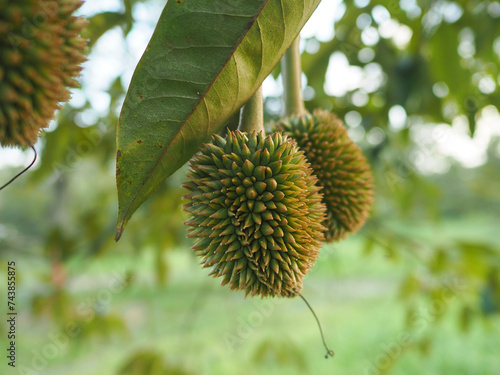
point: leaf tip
(119, 231)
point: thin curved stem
(252, 114)
(24, 170)
(291, 71)
(329, 352)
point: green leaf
(203, 62)
(100, 24)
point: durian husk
(341, 168)
(40, 56)
(256, 212)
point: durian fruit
(40, 55)
(256, 212)
(340, 166)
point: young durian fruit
(40, 55)
(256, 212)
(340, 166)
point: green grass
(194, 323)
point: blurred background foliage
(418, 288)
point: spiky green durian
(40, 55)
(340, 166)
(256, 212)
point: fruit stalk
(252, 114)
(291, 72)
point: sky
(112, 57)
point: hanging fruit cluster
(262, 206)
(40, 56)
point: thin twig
(329, 352)
(24, 170)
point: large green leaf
(204, 61)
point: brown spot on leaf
(118, 153)
(118, 171)
(160, 146)
(139, 141)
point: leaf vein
(181, 80)
(283, 16)
(261, 46)
(224, 14)
(237, 75)
(170, 97)
(196, 46)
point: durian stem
(252, 114)
(291, 72)
(329, 352)
(20, 173)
